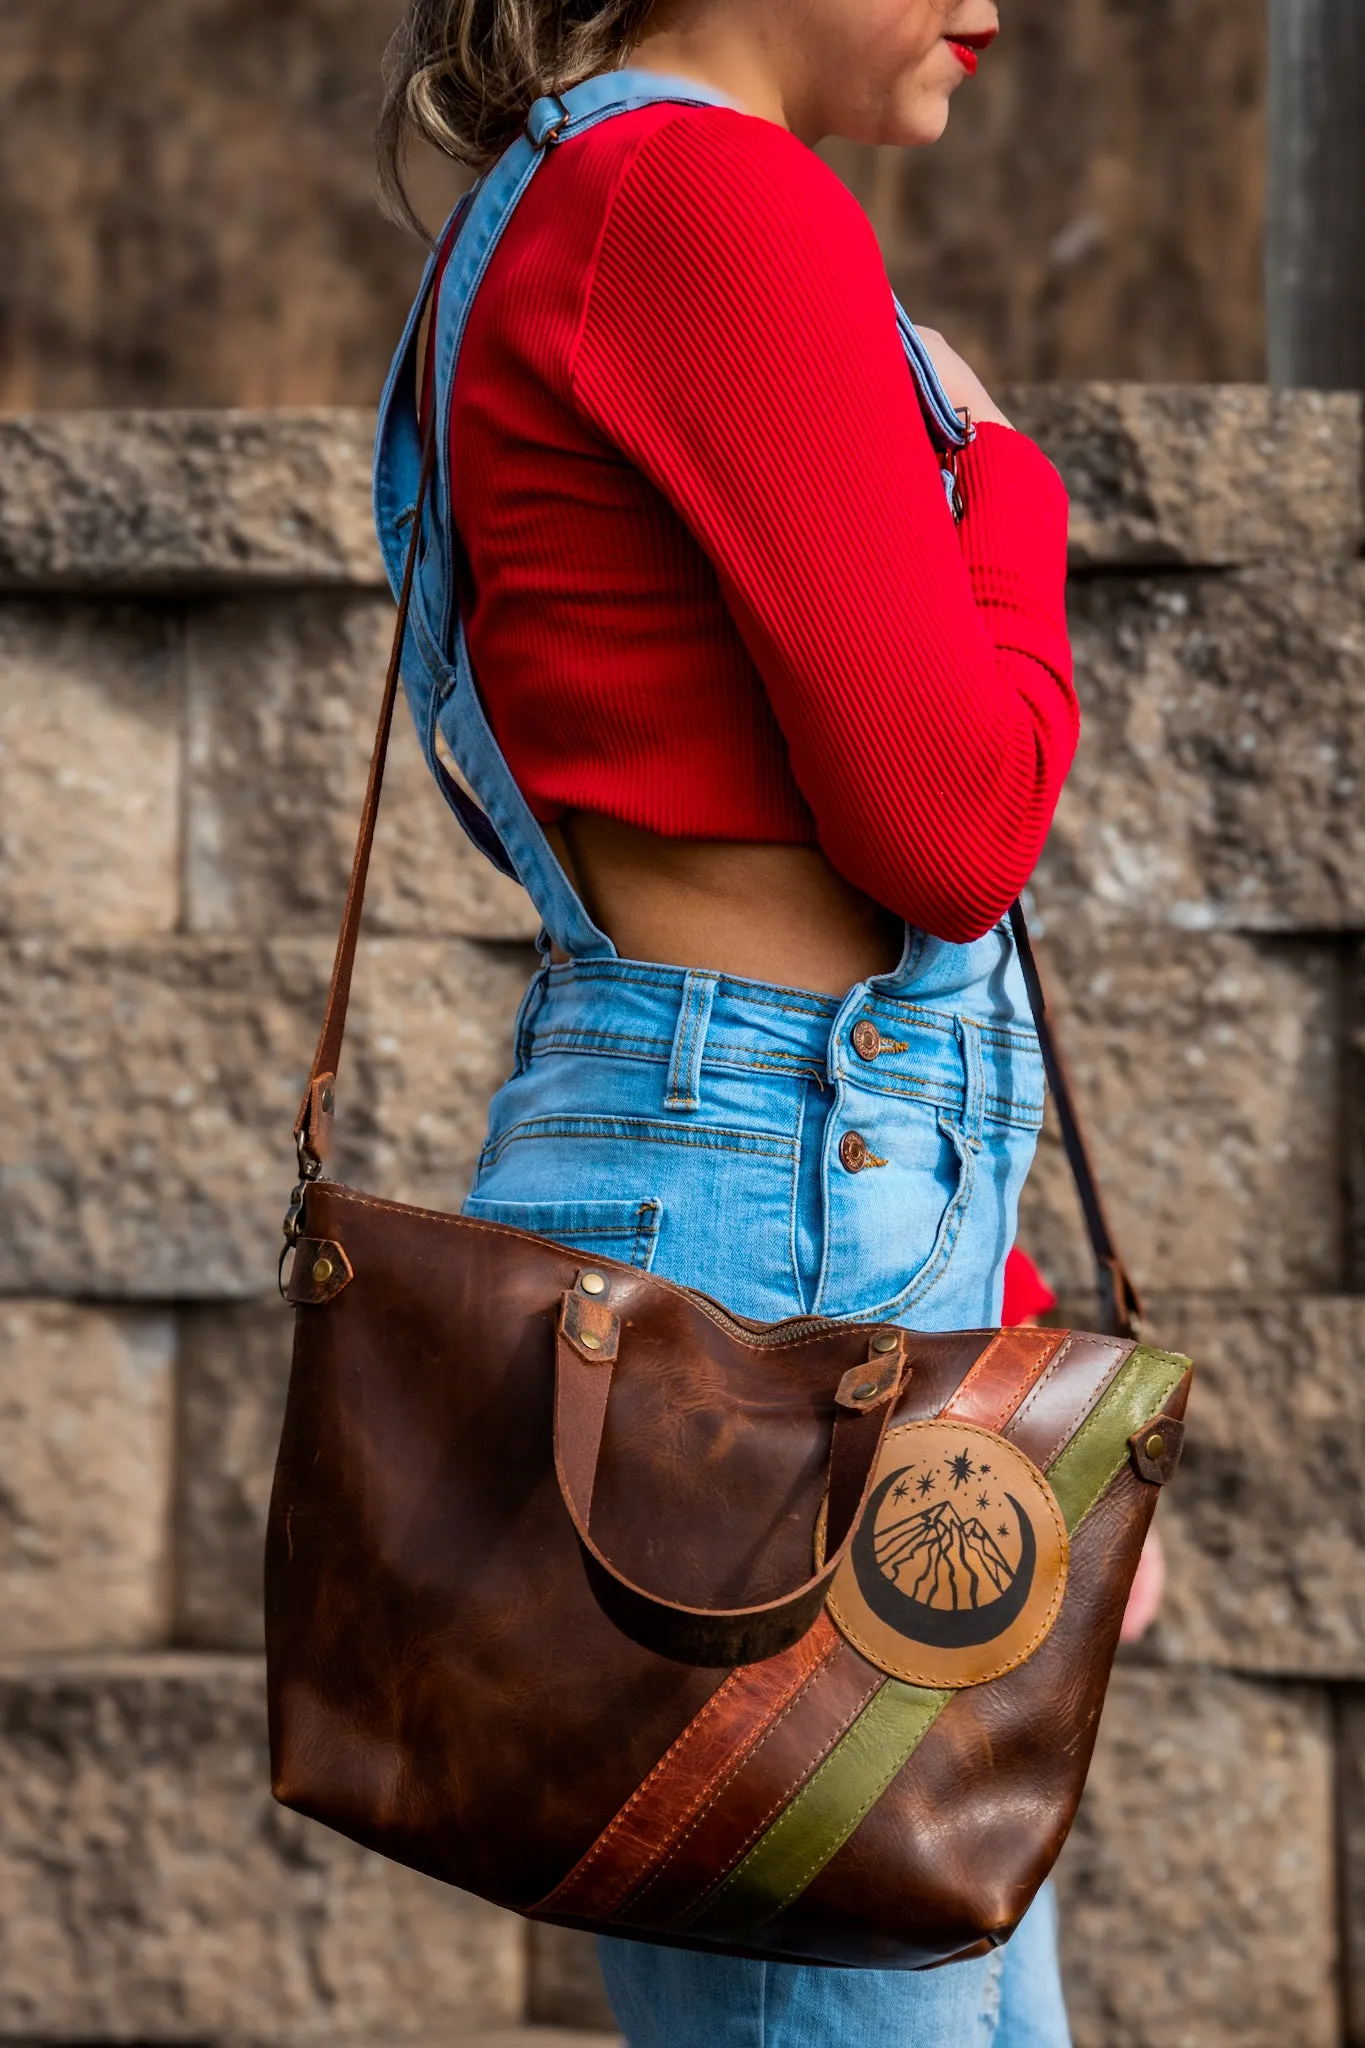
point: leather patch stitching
(1123, 1351)
(862, 1812)
(689, 1826)
(932, 1593)
(716, 1918)
(784, 1800)
(1048, 1343)
(707, 1793)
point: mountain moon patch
(958, 1568)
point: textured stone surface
(1206, 1069)
(1094, 210)
(86, 1404)
(147, 1094)
(1201, 475)
(1351, 1825)
(90, 745)
(234, 1369)
(1211, 475)
(164, 500)
(283, 696)
(190, 217)
(1197, 1888)
(564, 1984)
(150, 1890)
(1221, 768)
(1264, 1523)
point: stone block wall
(189, 214)
(192, 633)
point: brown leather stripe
(1002, 1376)
(688, 1777)
(794, 1745)
(768, 1727)
(1065, 1394)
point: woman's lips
(967, 50)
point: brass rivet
(866, 1393)
(590, 1340)
(328, 1101)
(853, 1153)
(884, 1341)
(867, 1040)
(593, 1283)
(1155, 1445)
(323, 1270)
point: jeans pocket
(604, 1229)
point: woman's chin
(923, 125)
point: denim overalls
(783, 1151)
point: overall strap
(484, 213)
(1120, 1302)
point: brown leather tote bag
(584, 1595)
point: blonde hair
(462, 74)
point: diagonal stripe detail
(1087, 1467)
(822, 1816)
(1007, 1370)
(688, 1778)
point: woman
(772, 741)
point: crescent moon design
(942, 1628)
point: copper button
(853, 1151)
(867, 1040)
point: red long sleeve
(717, 589)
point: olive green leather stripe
(814, 1826)
(1098, 1452)
(823, 1814)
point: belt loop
(689, 1041)
(973, 1079)
(526, 1012)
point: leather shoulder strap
(312, 1126)
(1120, 1303)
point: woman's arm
(739, 346)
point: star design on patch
(962, 1470)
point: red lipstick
(967, 49)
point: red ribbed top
(717, 591)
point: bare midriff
(767, 913)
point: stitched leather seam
(1034, 1373)
(1087, 1403)
(833, 1327)
(1036, 1641)
(821, 1860)
(684, 1740)
(784, 1800)
(688, 1735)
(687, 1824)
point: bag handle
(1120, 1302)
(587, 1344)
